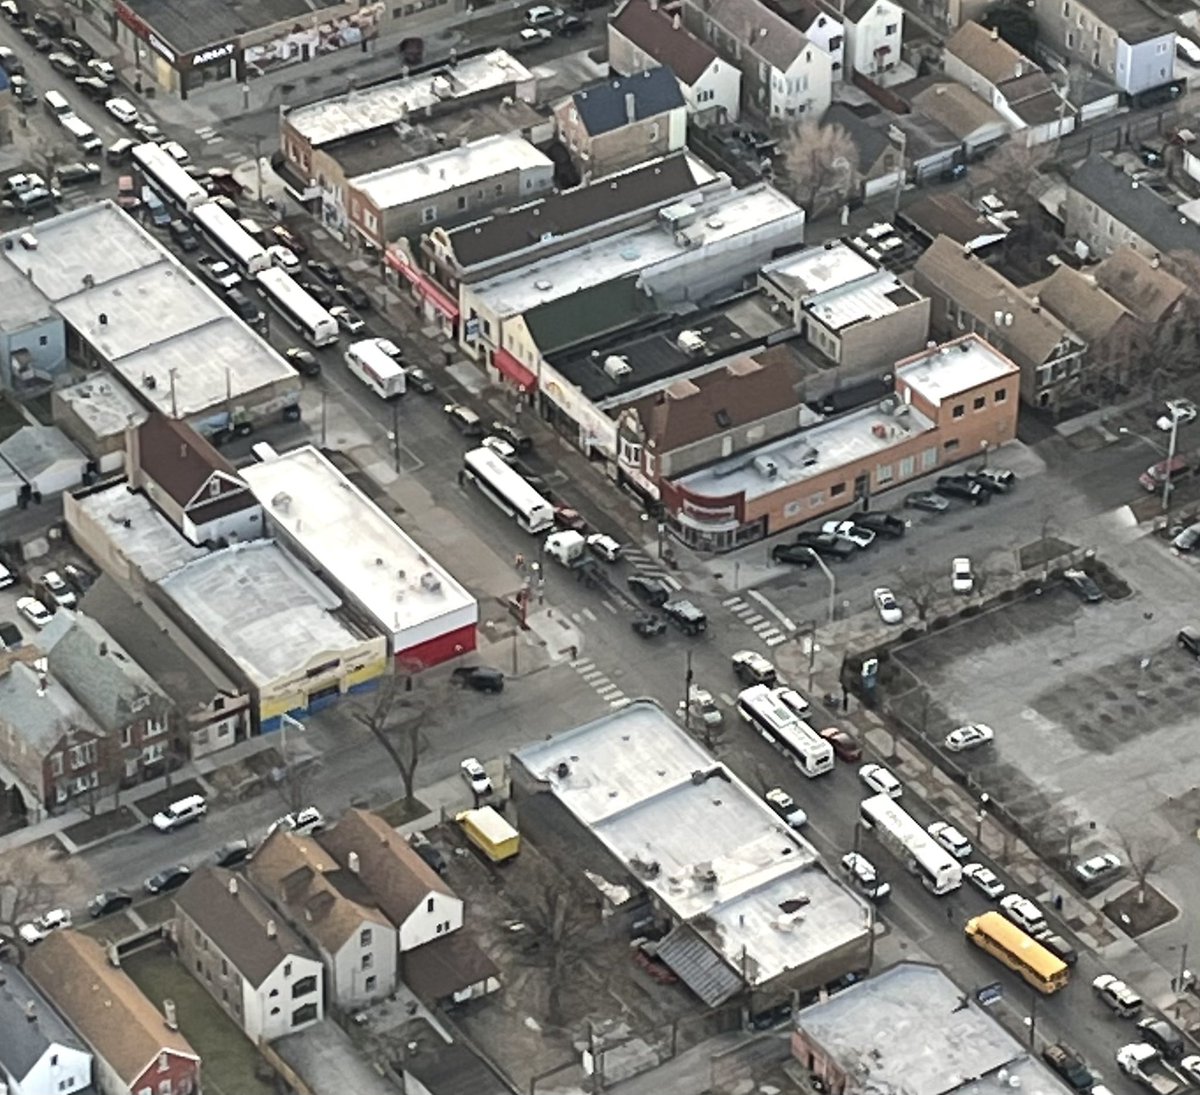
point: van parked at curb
(180, 813)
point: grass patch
(1136, 919)
(151, 804)
(400, 813)
(231, 1063)
(102, 826)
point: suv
(1156, 475)
(686, 616)
(522, 442)
(830, 547)
(862, 874)
(883, 524)
(1058, 946)
(1069, 1066)
(244, 307)
(1023, 912)
(1117, 995)
(654, 591)
(465, 420)
(192, 808)
(1162, 1036)
(58, 591)
(750, 667)
(964, 487)
(481, 678)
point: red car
(567, 518)
(844, 746)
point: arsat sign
(216, 53)
(158, 44)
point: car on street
(61, 594)
(688, 617)
(103, 69)
(7, 577)
(1057, 945)
(353, 295)
(64, 63)
(77, 48)
(123, 110)
(654, 591)
(962, 579)
(291, 240)
(569, 518)
(303, 361)
(964, 488)
(475, 776)
(927, 500)
(848, 530)
(603, 545)
(10, 62)
(984, 879)
(181, 232)
(844, 745)
(218, 272)
(1189, 639)
(1156, 477)
(1097, 869)
(326, 271)
(283, 257)
(419, 380)
(20, 183)
(702, 705)
(828, 547)
(108, 901)
(971, 736)
(348, 321)
(169, 878)
(1023, 912)
(750, 667)
(80, 578)
(232, 854)
(785, 806)
(478, 678)
(794, 554)
(882, 524)
(1117, 995)
(463, 419)
(148, 131)
(13, 13)
(519, 440)
(306, 822)
(995, 480)
(1187, 539)
(950, 839)
(34, 611)
(1082, 584)
(880, 780)
(23, 90)
(1162, 1036)
(794, 702)
(1182, 411)
(647, 625)
(77, 174)
(570, 25)
(1069, 1065)
(887, 606)
(37, 930)
(500, 447)
(181, 812)
(542, 14)
(863, 876)
(534, 36)
(177, 152)
(93, 87)
(319, 293)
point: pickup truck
(1144, 1063)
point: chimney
(169, 1015)
(995, 34)
(1156, 261)
(103, 650)
(31, 1012)
(233, 887)
(271, 932)
(630, 107)
(654, 5)
(352, 862)
(675, 22)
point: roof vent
(430, 582)
(542, 285)
(169, 1015)
(617, 366)
(691, 342)
(29, 241)
(282, 501)
(233, 887)
(272, 931)
(766, 467)
(352, 862)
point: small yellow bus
(1026, 957)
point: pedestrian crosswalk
(644, 563)
(600, 684)
(766, 629)
(209, 135)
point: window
(952, 444)
(272, 993)
(980, 403)
(56, 764)
(368, 961)
(499, 190)
(959, 411)
(42, 340)
(462, 202)
(304, 986)
(164, 1087)
(791, 509)
(907, 465)
(162, 1062)
(287, 969)
(653, 132)
(429, 905)
(369, 984)
(224, 968)
(929, 459)
(364, 937)
(305, 1014)
(836, 42)
(999, 395)
(883, 473)
(429, 214)
(1066, 10)
(890, 28)
(275, 1011)
(836, 489)
(54, 1060)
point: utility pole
(396, 436)
(1168, 480)
(687, 695)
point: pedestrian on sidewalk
(462, 477)
(520, 561)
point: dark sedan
(326, 271)
(318, 292)
(352, 294)
(928, 500)
(232, 854)
(108, 901)
(796, 554)
(169, 878)
(1083, 585)
(654, 591)
(882, 524)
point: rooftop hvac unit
(886, 405)
(766, 467)
(29, 241)
(430, 582)
(678, 216)
(691, 342)
(617, 366)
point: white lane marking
(787, 624)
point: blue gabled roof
(602, 106)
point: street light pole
(831, 579)
(1167, 483)
(981, 816)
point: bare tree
(921, 589)
(30, 880)
(1013, 169)
(821, 163)
(296, 785)
(1142, 860)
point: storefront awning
(425, 286)
(510, 367)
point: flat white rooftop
(456, 167)
(955, 367)
(353, 541)
(877, 295)
(266, 611)
(633, 777)
(104, 406)
(145, 313)
(138, 531)
(819, 449)
(725, 217)
(819, 269)
(386, 104)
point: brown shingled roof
(398, 878)
(177, 457)
(989, 55)
(658, 36)
(1147, 290)
(956, 108)
(103, 1004)
(445, 966)
(759, 30)
(1079, 302)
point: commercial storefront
(161, 64)
(434, 302)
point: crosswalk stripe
(752, 619)
(731, 602)
(621, 701)
(581, 664)
(608, 691)
(593, 675)
(775, 640)
(765, 627)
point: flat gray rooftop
(819, 269)
(266, 611)
(877, 295)
(23, 303)
(139, 531)
(954, 367)
(911, 1029)
(35, 449)
(634, 778)
(103, 405)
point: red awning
(510, 367)
(425, 286)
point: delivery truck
(487, 829)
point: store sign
(216, 53)
(471, 329)
(159, 46)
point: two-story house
(1140, 283)
(820, 25)
(642, 36)
(39, 1053)
(874, 33)
(1123, 40)
(138, 1050)
(968, 295)
(51, 745)
(257, 968)
(135, 714)
(785, 76)
(333, 911)
(193, 485)
(623, 121)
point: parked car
(148, 131)
(963, 487)
(1156, 476)
(232, 853)
(654, 591)
(419, 380)
(880, 780)
(34, 611)
(108, 901)
(647, 625)
(927, 500)
(750, 667)
(170, 878)
(1097, 869)
(10, 62)
(795, 554)
(465, 420)
(102, 69)
(23, 90)
(77, 174)
(500, 447)
(984, 879)
(64, 63)
(422, 845)
(1182, 411)
(1162, 1036)
(1023, 912)
(570, 25)
(785, 806)
(79, 577)
(520, 441)
(1188, 539)
(1081, 583)
(688, 617)
(887, 606)
(218, 272)
(970, 736)
(93, 87)
(950, 839)
(37, 930)
(349, 321)
(828, 547)
(1058, 946)
(7, 577)
(848, 530)
(303, 361)
(1117, 995)
(883, 524)
(123, 110)
(962, 579)
(322, 295)
(77, 48)
(181, 232)
(10, 635)
(604, 546)
(478, 678)
(353, 295)
(283, 257)
(542, 14)
(476, 776)
(795, 702)
(1069, 1065)
(60, 594)
(997, 480)
(326, 271)
(863, 876)
(181, 812)
(1189, 639)
(844, 746)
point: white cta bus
(508, 490)
(763, 708)
(938, 870)
(297, 307)
(231, 239)
(160, 171)
(378, 370)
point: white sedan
(961, 578)
(785, 806)
(500, 447)
(984, 880)
(123, 110)
(969, 737)
(950, 839)
(34, 611)
(477, 779)
(889, 608)
(848, 530)
(1182, 411)
(880, 780)
(283, 257)
(39, 929)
